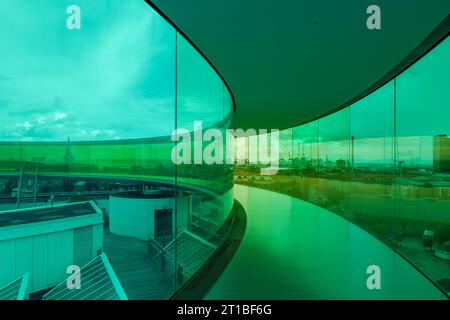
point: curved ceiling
(289, 61)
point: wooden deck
(139, 276)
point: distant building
(38, 159)
(341, 164)
(441, 154)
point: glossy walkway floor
(295, 250)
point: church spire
(68, 157)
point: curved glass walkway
(295, 250)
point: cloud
(107, 81)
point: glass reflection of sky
(113, 79)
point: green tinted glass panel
(87, 115)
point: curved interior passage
(86, 149)
(293, 249)
(382, 163)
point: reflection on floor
(293, 249)
(139, 276)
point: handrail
(226, 236)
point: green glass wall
(382, 163)
(87, 114)
(202, 99)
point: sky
(113, 79)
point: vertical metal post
(19, 188)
